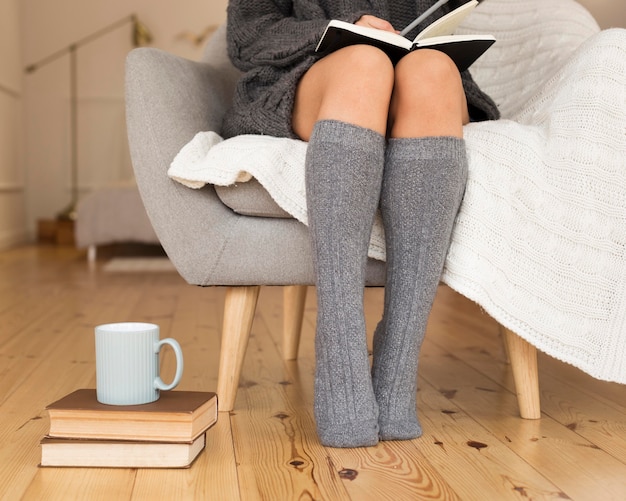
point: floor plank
(474, 447)
(277, 451)
(546, 445)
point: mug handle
(158, 382)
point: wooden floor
(474, 447)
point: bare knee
(353, 84)
(428, 98)
(365, 61)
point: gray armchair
(169, 100)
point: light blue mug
(127, 363)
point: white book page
(382, 35)
(447, 24)
(430, 41)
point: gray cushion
(250, 199)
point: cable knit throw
(540, 240)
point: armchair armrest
(189, 96)
(168, 100)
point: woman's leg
(428, 97)
(341, 109)
(352, 85)
(424, 180)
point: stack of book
(168, 433)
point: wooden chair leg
(523, 357)
(294, 297)
(239, 308)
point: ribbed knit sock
(344, 167)
(424, 182)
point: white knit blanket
(540, 240)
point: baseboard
(10, 239)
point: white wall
(608, 13)
(50, 25)
(12, 192)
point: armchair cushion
(251, 199)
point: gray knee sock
(344, 167)
(423, 184)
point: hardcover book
(462, 49)
(178, 416)
(119, 453)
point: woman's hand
(375, 22)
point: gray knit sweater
(273, 43)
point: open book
(462, 49)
